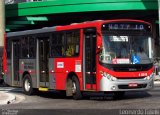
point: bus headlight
(150, 77)
(109, 77)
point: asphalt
(7, 97)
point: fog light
(113, 88)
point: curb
(157, 82)
(10, 98)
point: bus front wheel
(76, 89)
(27, 85)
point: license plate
(132, 85)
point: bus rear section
(99, 56)
(45, 59)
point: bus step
(43, 89)
(89, 90)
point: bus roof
(55, 28)
(29, 32)
(86, 24)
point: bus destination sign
(126, 26)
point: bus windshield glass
(125, 49)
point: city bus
(110, 56)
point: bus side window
(73, 39)
(65, 44)
(56, 44)
(28, 47)
(32, 47)
(23, 48)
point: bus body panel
(28, 66)
(8, 77)
(123, 85)
(63, 67)
(124, 79)
(52, 78)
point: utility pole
(2, 31)
(159, 17)
(2, 25)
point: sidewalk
(6, 98)
(157, 80)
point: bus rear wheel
(76, 89)
(27, 85)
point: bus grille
(142, 77)
(127, 87)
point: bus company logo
(60, 64)
(132, 69)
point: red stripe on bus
(4, 55)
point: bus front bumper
(126, 84)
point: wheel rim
(27, 85)
(74, 87)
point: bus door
(15, 62)
(89, 59)
(43, 62)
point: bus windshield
(125, 49)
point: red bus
(99, 56)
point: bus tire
(76, 89)
(119, 95)
(27, 85)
